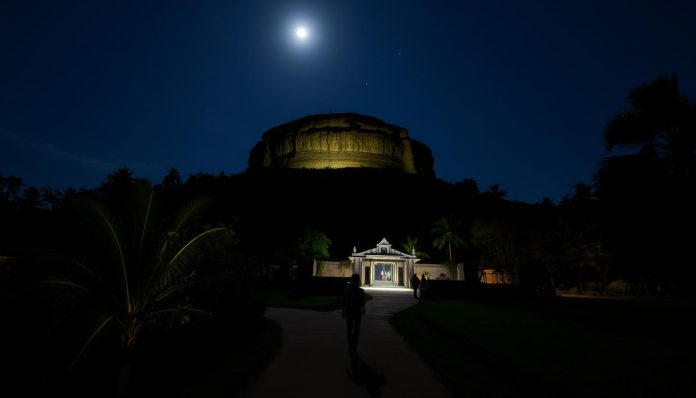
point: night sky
(515, 92)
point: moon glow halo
(301, 33)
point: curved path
(313, 360)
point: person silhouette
(352, 311)
(415, 283)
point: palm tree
(446, 234)
(120, 176)
(117, 184)
(582, 193)
(649, 194)
(172, 179)
(468, 187)
(496, 192)
(137, 269)
(662, 121)
(411, 247)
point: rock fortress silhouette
(341, 140)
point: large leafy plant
(136, 267)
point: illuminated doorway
(383, 273)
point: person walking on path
(353, 310)
(415, 283)
(423, 285)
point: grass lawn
(207, 362)
(570, 348)
(283, 298)
(210, 365)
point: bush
(592, 289)
(622, 288)
(545, 290)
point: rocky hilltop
(341, 140)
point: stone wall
(345, 269)
(333, 268)
(433, 271)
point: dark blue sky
(508, 92)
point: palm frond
(183, 286)
(423, 255)
(658, 100)
(440, 242)
(166, 311)
(62, 283)
(411, 246)
(181, 219)
(456, 240)
(145, 222)
(163, 295)
(64, 293)
(189, 210)
(104, 216)
(627, 129)
(57, 260)
(177, 267)
(175, 315)
(94, 334)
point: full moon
(301, 32)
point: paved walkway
(313, 360)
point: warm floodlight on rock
(339, 141)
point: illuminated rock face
(341, 140)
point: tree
(136, 268)
(10, 188)
(582, 251)
(648, 195)
(467, 187)
(447, 235)
(31, 198)
(53, 197)
(497, 244)
(313, 245)
(172, 179)
(577, 247)
(118, 184)
(660, 120)
(496, 192)
(122, 176)
(411, 247)
(582, 192)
